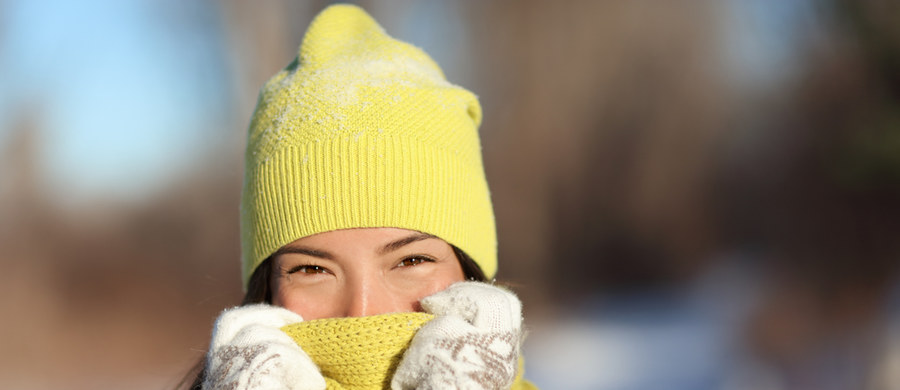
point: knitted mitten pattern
(249, 351)
(473, 342)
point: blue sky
(128, 92)
(765, 39)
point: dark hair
(259, 291)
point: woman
(365, 207)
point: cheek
(308, 304)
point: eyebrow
(387, 248)
(397, 244)
(304, 251)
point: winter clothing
(249, 352)
(357, 352)
(363, 130)
(469, 339)
(473, 343)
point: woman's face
(361, 272)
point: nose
(370, 296)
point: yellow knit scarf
(363, 352)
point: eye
(308, 269)
(415, 260)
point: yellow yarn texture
(357, 353)
(363, 130)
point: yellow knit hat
(363, 130)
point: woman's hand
(249, 351)
(473, 343)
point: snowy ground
(672, 339)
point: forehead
(362, 241)
(361, 236)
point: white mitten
(249, 351)
(473, 342)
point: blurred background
(689, 194)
